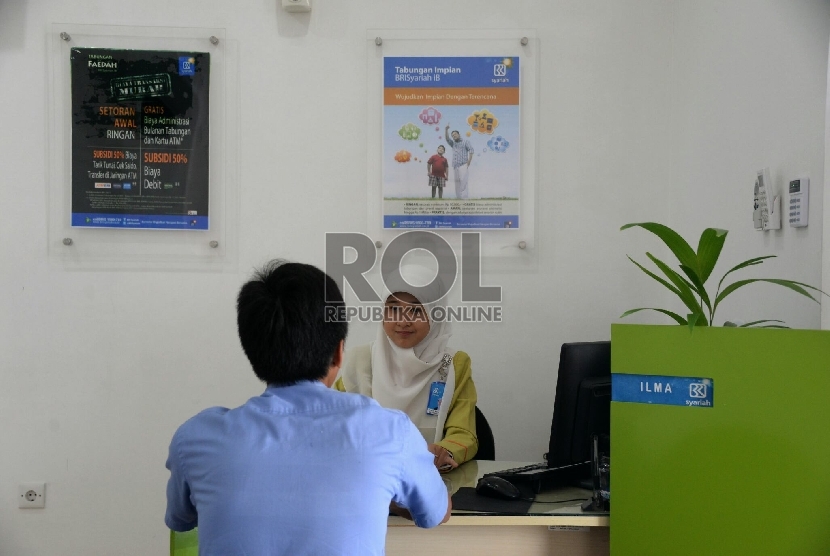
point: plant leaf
(808, 286)
(795, 286)
(773, 326)
(675, 316)
(755, 322)
(673, 241)
(697, 286)
(708, 251)
(693, 318)
(750, 262)
(650, 273)
(684, 291)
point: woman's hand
(443, 458)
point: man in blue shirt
(302, 469)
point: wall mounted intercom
(799, 202)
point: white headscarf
(401, 378)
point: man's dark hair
(281, 315)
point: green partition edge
(184, 544)
(746, 476)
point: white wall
(825, 272)
(650, 110)
(749, 90)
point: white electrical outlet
(32, 495)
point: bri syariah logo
(187, 65)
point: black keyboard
(541, 477)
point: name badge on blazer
(436, 394)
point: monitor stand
(592, 505)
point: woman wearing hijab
(409, 367)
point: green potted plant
(696, 268)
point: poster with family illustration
(451, 154)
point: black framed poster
(140, 139)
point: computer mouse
(496, 487)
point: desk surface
(567, 514)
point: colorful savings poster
(451, 142)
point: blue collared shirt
(299, 470)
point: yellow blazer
(460, 427)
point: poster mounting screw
(214, 40)
(67, 241)
(522, 245)
(524, 41)
(378, 41)
(214, 244)
(65, 36)
(378, 244)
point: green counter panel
(748, 476)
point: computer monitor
(582, 407)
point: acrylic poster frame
(519, 246)
(214, 249)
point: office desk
(546, 529)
